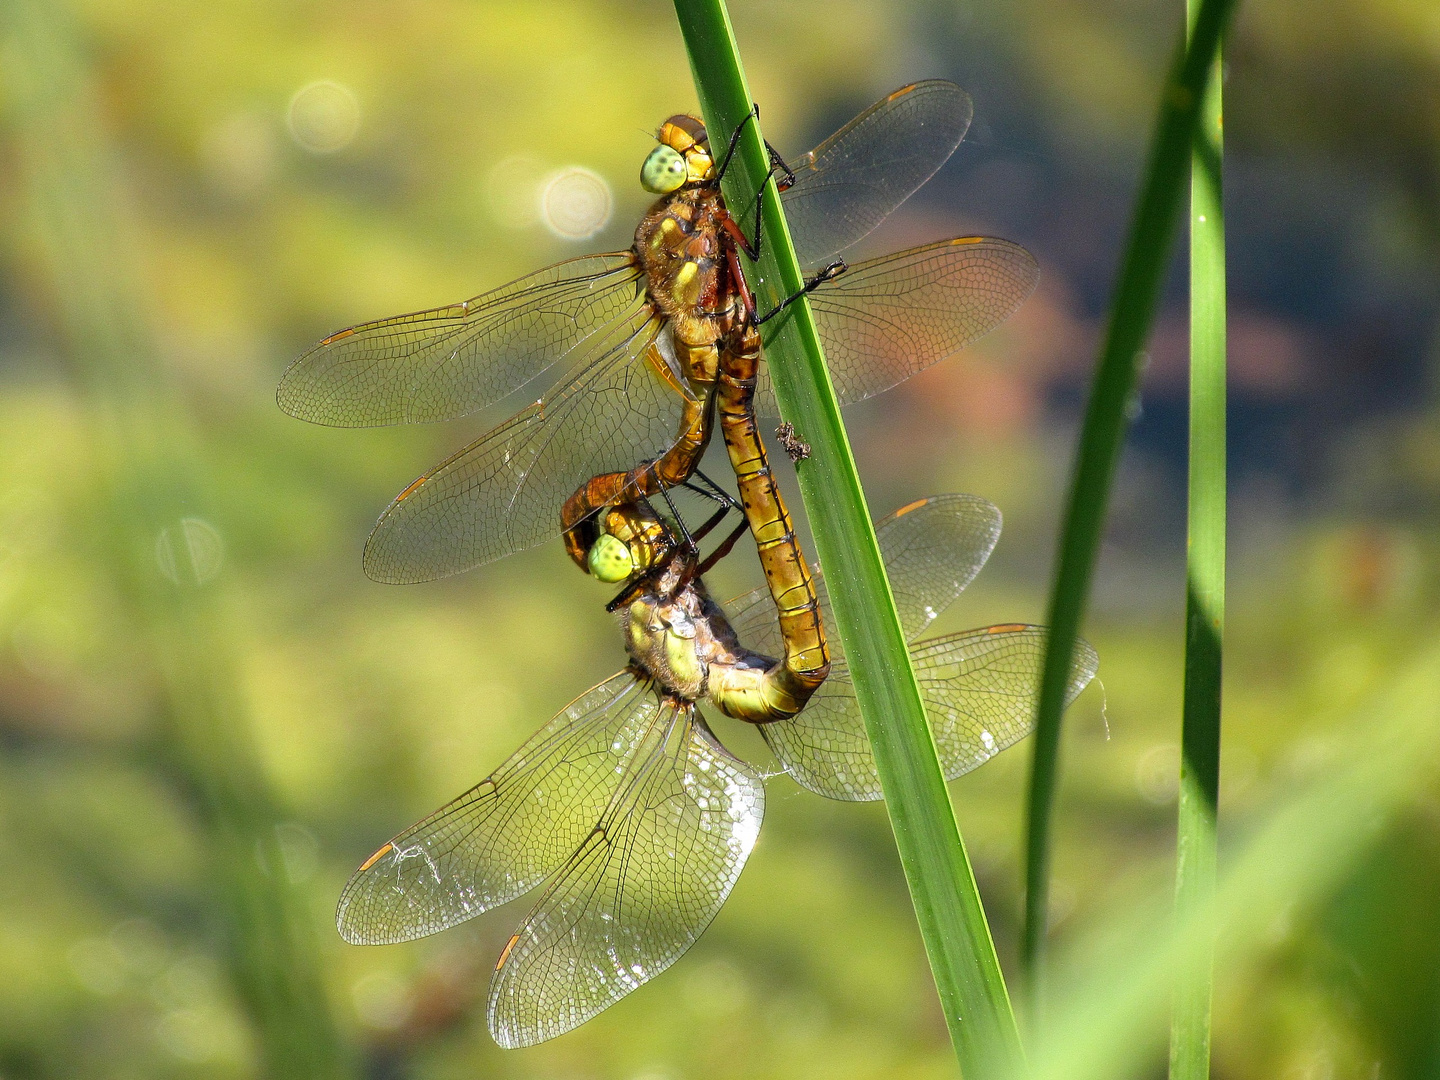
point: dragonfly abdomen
(806, 663)
(579, 512)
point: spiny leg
(776, 161)
(686, 539)
(787, 180)
(713, 490)
(710, 523)
(753, 114)
(830, 273)
(732, 227)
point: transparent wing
(932, 549)
(503, 492)
(979, 688)
(887, 319)
(449, 361)
(508, 833)
(849, 183)
(640, 889)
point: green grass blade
(1205, 592)
(1111, 988)
(1147, 255)
(942, 886)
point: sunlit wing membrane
(932, 549)
(639, 891)
(504, 836)
(887, 319)
(849, 183)
(449, 361)
(503, 492)
(979, 688)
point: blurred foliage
(361, 707)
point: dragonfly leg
(777, 162)
(710, 523)
(787, 175)
(737, 275)
(753, 114)
(724, 548)
(686, 539)
(732, 227)
(726, 505)
(630, 591)
(743, 289)
(736, 233)
(830, 273)
(691, 569)
(728, 502)
(714, 491)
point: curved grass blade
(1147, 255)
(942, 886)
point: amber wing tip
(373, 859)
(505, 952)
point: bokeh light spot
(299, 851)
(1157, 774)
(323, 116)
(575, 203)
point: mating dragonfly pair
(625, 807)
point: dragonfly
(628, 816)
(634, 345)
(755, 692)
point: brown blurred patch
(997, 387)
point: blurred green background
(209, 716)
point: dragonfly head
(628, 540)
(682, 156)
(610, 559)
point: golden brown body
(709, 350)
(671, 627)
(807, 658)
(680, 244)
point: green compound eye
(610, 560)
(664, 170)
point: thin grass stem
(1205, 592)
(1147, 256)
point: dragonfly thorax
(681, 638)
(673, 634)
(681, 246)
